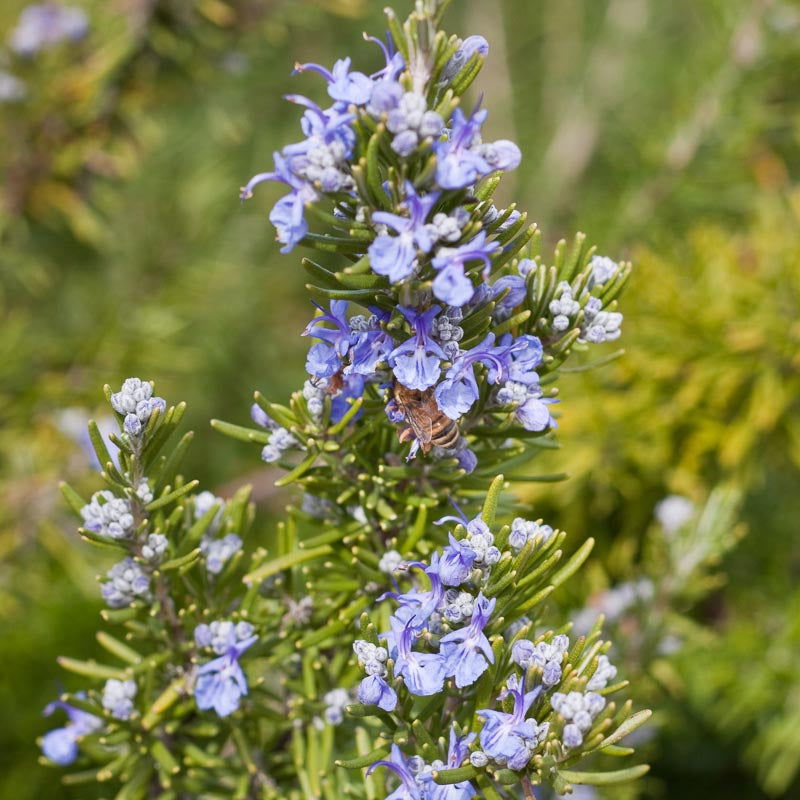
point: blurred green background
(668, 131)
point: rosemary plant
(399, 624)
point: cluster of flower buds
(136, 402)
(174, 542)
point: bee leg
(405, 435)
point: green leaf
(74, 500)
(355, 407)
(170, 468)
(467, 74)
(240, 432)
(163, 702)
(605, 778)
(492, 498)
(363, 761)
(164, 758)
(298, 471)
(630, 725)
(118, 648)
(445, 777)
(170, 497)
(574, 564)
(356, 295)
(91, 669)
(103, 541)
(180, 561)
(100, 449)
(281, 414)
(286, 562)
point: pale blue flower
(457, 393)
(423, 673)
(221, 683)
(451, 285)
(394, 256)
(61, 744)
(325, 358)
(467, 650)
(458, 750)
(417, 606)
(126, 582)
(456, 562)
(409, 788)
(417, 361)
(343, 85)
(516, 291)
(506, 737)
(373, 690)
(462, 158)
(288, 214)
(471, 45)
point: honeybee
(426, 423)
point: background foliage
(668, 132)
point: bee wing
(421, 423)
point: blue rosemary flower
(408, 118)
(511, 738)
(524, 531)
(514, 291)
(60, 745)
(325, 357)
(530, 408)
(416, 606)
(471, 45)
(600, 326)
(395, 256)
(423, 673)
(605, 672)
(416, 363)
(457, 393)
(564, 307)
(603, 270)
(154, 547)
(373, 690)
(221, 683)
(344, 86)
(409, 788)
(457, 561)
(457, 751)
(451, 285)
(467, 651)
(287, 214)
(462, 158)
(370, 344)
